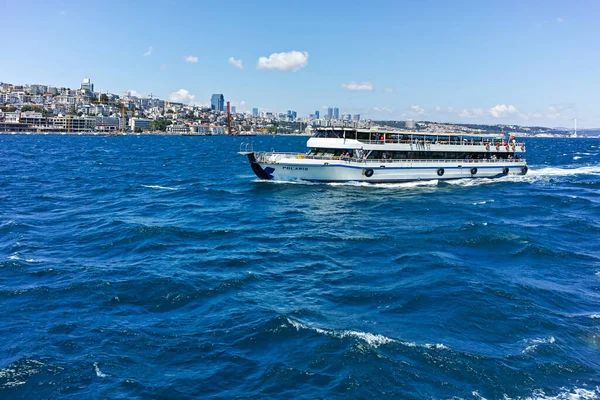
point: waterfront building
(32, 118)
(141, 123)
(105, 124)
(217, 102)
(72, 124)
(179, 128)
(255, 112)
(336, 113)
(356, 117)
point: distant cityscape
(44, 109)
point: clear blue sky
(522, 62)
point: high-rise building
(336, 113)
(87, 85)
(217, 102)
(233, 109)
(294, 115)
(255, 112)
(329, 113)
(316, 114)
(356, 117)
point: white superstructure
(374, 155)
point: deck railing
(424, 143)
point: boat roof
(409, 133)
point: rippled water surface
(159, 267)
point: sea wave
(159, 187)
(534, 343)
(372, 339)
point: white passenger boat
(378, 156)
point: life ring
(524, 169)
(440, 171)
(505, 171)
(473, 170)
(368, 172)
(487, 146)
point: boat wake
(533, 175)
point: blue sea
(161, 267)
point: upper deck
(398, 140)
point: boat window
(364, 136)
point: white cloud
(149, 52)
(438, 108)
(381, 109)
(182, 96)
(290, 61)
(552, 113)
(388, 90)
(560, 20)
(236, 63)
(502, 110)
(242, 103)
(417, 110)
(191, 59)
(473, 113)
(358, 86)
(163, 67)
(134, 93)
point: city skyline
(533, 64)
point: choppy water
(159, 267)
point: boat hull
(378, 172)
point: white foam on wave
(534, 343)
(594, 316)
(159, 187)
(479, 203)
(564, 394)
(98, 372)
(577, 158)
(555, 171)
(372, 339)
(533, 175)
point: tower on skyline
(217, 102)
(87, 85)
(336, 113)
